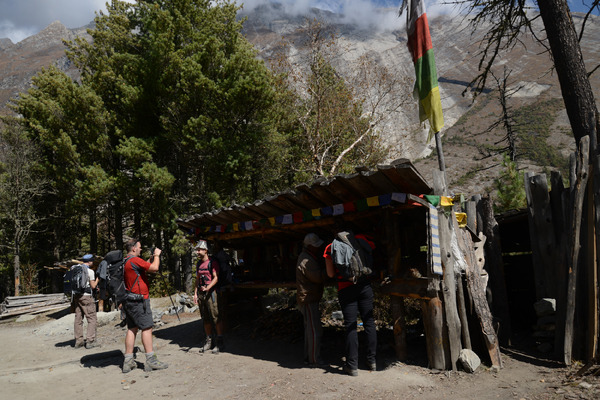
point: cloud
(22, 18)
(381, 15)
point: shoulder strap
(134, 268)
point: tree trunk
(570, 68)
(17, 268)
(118, 225)
(93, 230)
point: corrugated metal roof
(398, 177)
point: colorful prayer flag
(426, 83)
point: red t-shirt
(342, 284)
(141, 286)
(204, 269)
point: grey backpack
(351, 256)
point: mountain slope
(465, 139)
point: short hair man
(208, 298)
(85, 305)
(310, 278)
(138, 313)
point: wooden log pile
(32, 304)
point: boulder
(469, 360)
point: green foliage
(29, 279)
(333, 129)
(174, 114)
(511, 187)
(532, 124)
(161, 286)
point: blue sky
(22, 18)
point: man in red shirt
(209, 299)
(138, 313)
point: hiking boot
(92, 344)
(152, 363)
(351, 372)
(220, 346)
(371, 366)
(79, 345)
(207, 345)
(129, 365)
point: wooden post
(477, 292)
(596, 194)
(465, 251)
(495, 269)
(434, 332)
(541, 232)
(559, 199)
(578, 190)
(449, 289)
(592, 276)
(472, 215)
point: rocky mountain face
(468, 148)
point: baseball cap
(87, 257)
(201, 245)
(311, 239)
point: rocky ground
(38, 361)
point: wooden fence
(564, 224)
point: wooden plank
(541, 232)
(594, 265)
(476, 288)
(578, 190)
(35, 310)
(495, 269)
(560, 198)
(433, 323)
(449, 290)
(472, 215)
(467, 254)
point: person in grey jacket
(310, 279)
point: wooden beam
(541, 232)
(578, 190)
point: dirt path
(37, 361)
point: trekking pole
(172, 302)
(167, 288)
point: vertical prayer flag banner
(426, 83)
(434, 242)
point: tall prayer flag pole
(426, 83)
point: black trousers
(356, 299)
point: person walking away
(85, 306)
(310, 279)
(354, 298)
(208, 298)
(138, 314)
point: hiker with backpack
(82, 282)
(310, 279)
(348, 259)
(136, 305)
(208, 298)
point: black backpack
(76, 280)
(115, 278)
(226, 265)
(360, 263)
